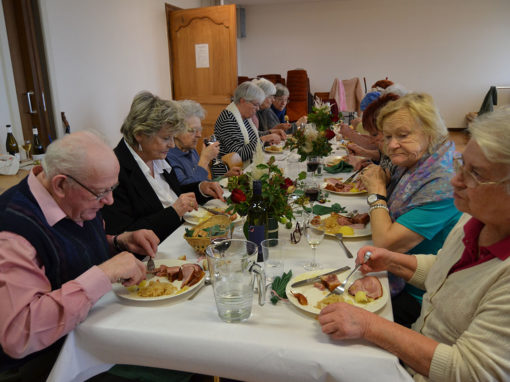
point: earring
(140, 148)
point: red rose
(237, 196)
(329, 134)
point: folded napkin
(341, 166)
(324, 210)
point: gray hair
(282, 91)
(149, 114)
(425, 113)
(266, 85)
(491, 131)
(249, 92)
(192, 109)
(71, 154)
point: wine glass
(312, 165)
(27, 146)
(207, 142)
(314, 235)
(312, 191)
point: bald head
(78, 154)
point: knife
(214, 212)
(318, 278)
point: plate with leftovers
(273, 149)
(338, 187)
(366, 292)
(174, 278)
(198, 216)
(357, 225)
(332, 161)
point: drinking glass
(312, 191)
(27, 147)
(273, 251)
(207, 142)
(312, 165)
(314, 235)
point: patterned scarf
(428, 181)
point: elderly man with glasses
(56, 260)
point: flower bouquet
(274, 191)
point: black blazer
(136, 205)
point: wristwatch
(372, 198)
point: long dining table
(277, 343)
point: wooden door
(203, 57)
(26, 46)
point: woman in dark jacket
(149, 194)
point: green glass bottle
(11, 145)
(257, 218)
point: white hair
(192, 109)
(69, 155)
(249, 92)
(266, 85)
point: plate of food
(350, 226)
(223, 182)
(337, 186)
(273, 149)
(203, 213)
(173, 278)
(366, 292)
(333, 161)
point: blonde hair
(422, 109)
(149, 114)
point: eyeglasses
(195, 131)
(255, 104)
(295, 236)
(98, 196)
(471, 180)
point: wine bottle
(67, 127)
(37, 147)
(11, 145)
(257, 218)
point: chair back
(299, 88)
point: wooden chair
(274, 78)
(232, 160)
(241, 79)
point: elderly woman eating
(463, 331)
(149, 194)
(190, 167)
(414, 212)
(235, 129)
(279, 110)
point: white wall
(452, 49)
(100, 54)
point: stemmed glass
(312, 192)
(207, 142)
(27, 147)
(314, 236)
(312, 165)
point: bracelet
(116, 244)
(376, 206)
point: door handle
(30, 110)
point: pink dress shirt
(32, 316)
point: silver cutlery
(340, 238)
(150, 268)
(318, 278)
(351, 178)
(341, 288)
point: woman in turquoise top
(412, 211)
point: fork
(341, 288)
(150, 268)
(340, 237)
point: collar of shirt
(159, 165)
(51, 210)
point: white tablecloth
(277, 343)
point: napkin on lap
(341, 166)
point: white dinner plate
(223, 182)
(358, 232)
(198, 216)
(334, 160)
(323, 186)
(314, 295)
(130, 293)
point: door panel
(214, 85)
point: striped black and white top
(231, 139)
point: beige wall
(452, 49)
(100, 54)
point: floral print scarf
(428, 181)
